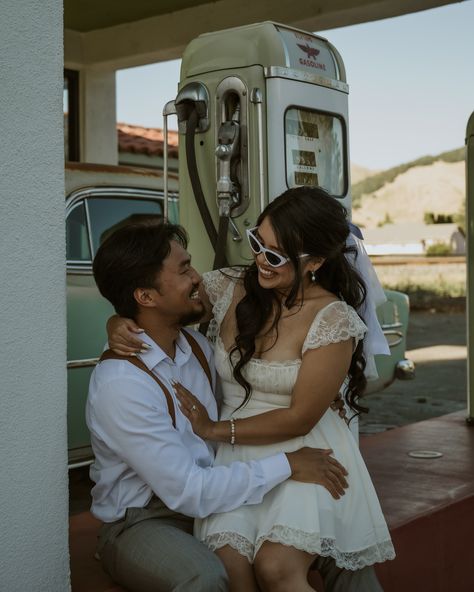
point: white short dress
(352, 529)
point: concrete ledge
(428, 503)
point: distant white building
(412, 238)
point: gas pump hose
(217, 239)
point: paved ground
(437, 345)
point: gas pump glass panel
(315, 150)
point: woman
(288, 340)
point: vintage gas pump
(260, 108)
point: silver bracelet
(232, 432)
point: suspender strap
(197, 351)
(110, 355)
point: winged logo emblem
(311, 52)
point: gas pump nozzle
(226, 151)
(193, 96)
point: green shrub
(438, 250)
(432, 218)
(431, 285)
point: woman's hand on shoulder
(338, 406)
(122, 336)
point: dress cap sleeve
(334, 323)
(219, 286)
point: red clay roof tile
(145, 140)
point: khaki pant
(343, 580)
(153, 550)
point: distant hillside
(374, 182)
(407, 192)
(359, 173)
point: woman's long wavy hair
(305, 220)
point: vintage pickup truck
(97, 198)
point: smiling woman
(289, 340)
(272, 257)
(271, 264)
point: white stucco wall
(33, 491)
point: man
(152, 474)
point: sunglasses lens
(254, 244)
(273, 259)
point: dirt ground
(437, 345)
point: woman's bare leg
(279, 568)
(239, 570)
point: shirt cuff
(276, 469)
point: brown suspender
(110, 355)
(197, 351)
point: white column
(98, 116)
(33, 459)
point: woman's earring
(313, 276)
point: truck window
(106, 213)
(77, 242)
(315, 150)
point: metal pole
(256, 97)
(470, 267)
(169, 109)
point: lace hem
(232, 539)
(305, 541)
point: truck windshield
(315, 150)
(94, 217)
(105, 214)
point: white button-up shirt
(138, 452)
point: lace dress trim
(310, 542)
(219, 286)
(335, 322)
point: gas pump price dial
(314, 150)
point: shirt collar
(155, 354)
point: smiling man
(152, 474)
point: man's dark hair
(131, 258)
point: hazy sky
(411, 82)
